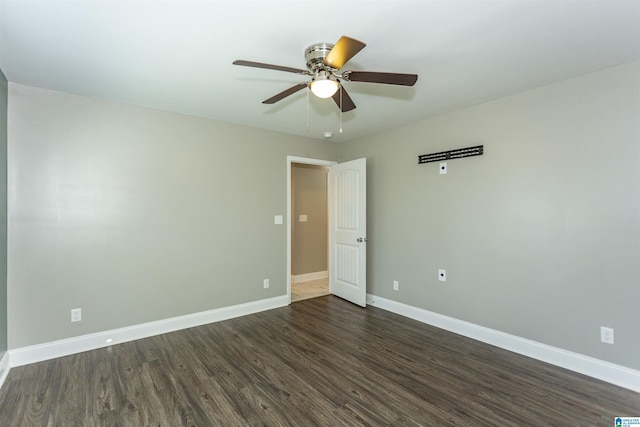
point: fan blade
(271, 67)
(345, 49)
(347, 102)
(386, 78)
(285, 93)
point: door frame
(290, 161)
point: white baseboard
(605, 371)
(309, 276)
(65, 347)
(4, 368)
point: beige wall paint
(309, 249)
(540, 236)
(138, 215)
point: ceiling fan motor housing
(315, 55)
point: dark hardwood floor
(317, 362)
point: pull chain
(340, 108)
(307, 110)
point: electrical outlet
(606, 335)
(265, 283)
(442, 275)
(76, 314)
(395, 285)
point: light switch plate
(278, 219)
(303, 218)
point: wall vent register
(459, 153)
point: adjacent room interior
(309, 232)
(166, 255)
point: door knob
(362, 239)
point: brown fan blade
(285, 93)
(271, 67)
(347, 102)
(386, 78)
(342, 52)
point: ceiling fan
(323, 62)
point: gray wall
(309, 239)
(3, 214)
(540, 236)
(136, 215)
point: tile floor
(309, 289)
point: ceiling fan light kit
(324, 84)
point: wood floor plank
(318, 362)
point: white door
(347, 231)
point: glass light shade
(324, 87)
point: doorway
(347, 212)
(307, 228)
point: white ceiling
(177, 55)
